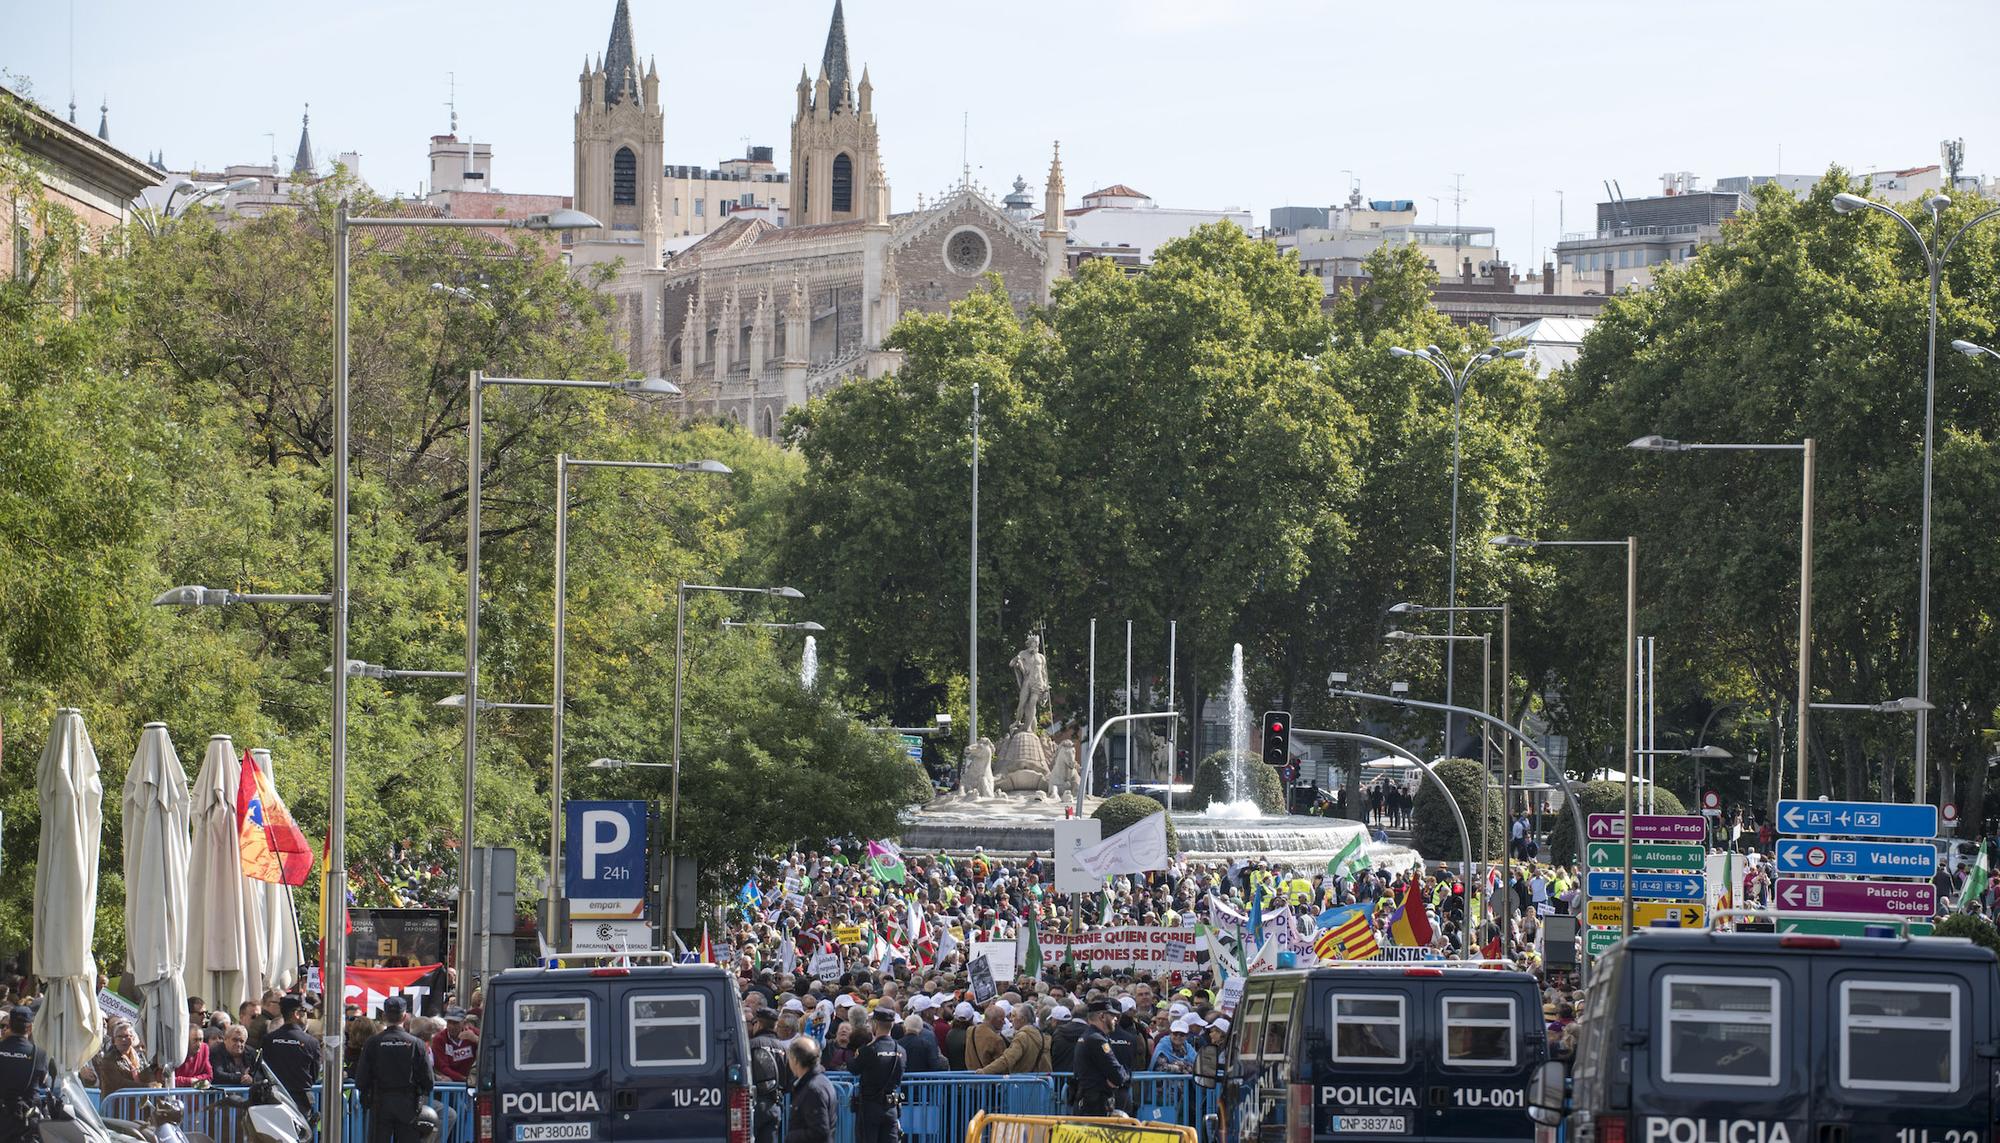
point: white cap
(1177, 1008)
(921, 1003)
(1221, 1022)
(1192, 1020)
(1180, 1026)
(963, 1011)
(843, 1001)
(1126, 1003)
(1059, 1013)
(793, 1005)
(1005, 1008)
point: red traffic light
(1277, 728)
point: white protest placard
(1231, 995)
(981, 975)
(824, 966)
(1073, 834)
(1001, 957)
(116, 1007)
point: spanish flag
(272, 846)
(1410, 925)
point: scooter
(268, 1114)
(64, 1114)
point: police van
(613, 1055)
(1705, 1037)
(1380, 1050)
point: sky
(1527, 106)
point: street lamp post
(680, 669)
(1456, 380)
(1485, 740)
(1915, 706)
(1808, 453)
(565, 462)
(167, 211)
(334, 973)
(1631, 546)
(1974, 350)
(1935, 252)
(972, 607)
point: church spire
(302, 164)
(621, 66)
(1054, 220)
(834, 63)
(104, 120)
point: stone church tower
(620, 147)
(837, 171)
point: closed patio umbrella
(71, 799)
(216, 958)
(156, 894)
(283, 951)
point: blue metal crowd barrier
(206, 1113)
(938, 1105)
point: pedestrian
(394, 1078)
(1028, 1051)
(878, 1097)
(920, 1049)
(768, 1074)
(24, 1068)
(195, 1070)
(291, 1052)
(233, 1060)
(454, 1047)
(1174, 1054)
(814, 1114)
(120, 1065)
(1098, 1077)
(986, 1042)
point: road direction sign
(1648, 827)
(1857, 819)
(1644, 913)
(1862, 858)
(1595, 941)
(1652, 856)
(1889, 898)
(1653, 886)
(1815, 926)
(913, 746)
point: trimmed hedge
(1433, 830)
(1211, 783)
(1120, 811)
(1598, 798)
(1978, 930)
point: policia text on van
(1392, 1051)
(1702, 1037)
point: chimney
(1609, 277)
(1465, 272)
(1503, 277)
(1548, 277)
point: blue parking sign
(604, 859)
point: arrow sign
(1863, 858)
(1648, 827)
(1889, 898)
(1849, 928)
(1654, 886)
(1595, 941)
(1653, 856)
(1644, 913)
(1857, 819)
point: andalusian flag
(1347, 859)
(885, 861)
(1031, 957)
(1975, 882)
(272, 846)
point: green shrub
(1978, 930)
(1433, 830)
(917, 782)
(1598, 798)
(1211, 783)
(1122, 810)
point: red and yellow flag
(271, 843)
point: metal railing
(206, 1113)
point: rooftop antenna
(451, 98)
(965, 148)
(1953, 152)
(271, 138)
(1457, 203)
(72, 61)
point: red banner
(423, 987)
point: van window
(667, 1031)
(1720, 1030)
(1898, 1035)
(1278, 1026)
(1479, 1031)
(1250, 1027)
(551, 1033)
(1368, 1028)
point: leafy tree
(1212, 783)
(1121, 811)
(1599, 798)
(1433, 829)
(1971, 927)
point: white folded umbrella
(216, 959)
(70, 1026)
(156, 893)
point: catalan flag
(1350, 937)
(272, 846)
(1410, 924)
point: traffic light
(1277, 737)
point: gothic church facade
(755, 318)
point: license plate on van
(1370, 1124)
(551, 1132)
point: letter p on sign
(599, 840)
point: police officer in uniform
(24, 1069)
(394, 1077)
(293, 1055)
(1099, 1076)
(878, 1097)
(768, 1073)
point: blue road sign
(1650, 886)
(604, 859)
(1863, 858)
(1858, 819)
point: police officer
(394, 1077)
(293, 1055)
(1099, 1077)
(878, 1097)
(768, 1072)
(23, 1070)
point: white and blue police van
(646, 1054)
(1709, 1037)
